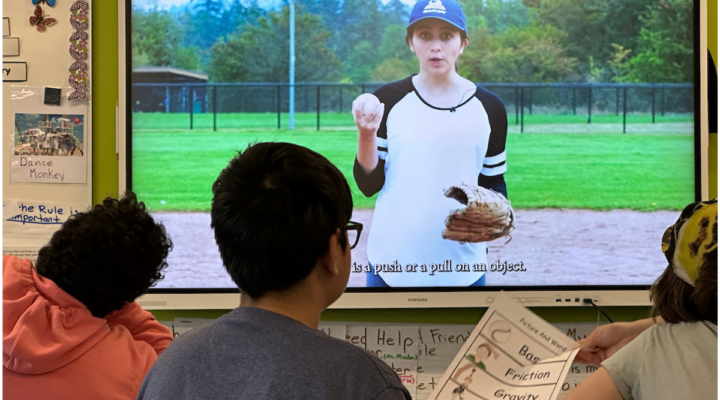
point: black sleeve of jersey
(495, 155)
(388, 94)
(496, 183)
(369, 183)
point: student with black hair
(281, 215)
(71, 326)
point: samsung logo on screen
(415, 299)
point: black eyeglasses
(353, 232)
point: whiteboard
(48, 60)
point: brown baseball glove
(487, 215)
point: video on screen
(578, 113)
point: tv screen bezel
(425, 297)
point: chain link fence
(162, 106)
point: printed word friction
(522, 376)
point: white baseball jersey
(422, 151)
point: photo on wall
(49, 148)
(49, 135)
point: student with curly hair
(675, 358)
(71, 326)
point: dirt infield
(557, 247)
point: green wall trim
(104, 98)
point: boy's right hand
(367, 112)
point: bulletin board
(47, 118)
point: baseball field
(591, 202)
(329, 120)
(555, 163)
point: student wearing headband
(676, 359)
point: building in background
(170, 98)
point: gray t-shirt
(668, 361)
(256, 354)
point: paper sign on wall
(21, 251)
(11, 47)
(28, 225)
(29, 219)
(14, 71)
(338, 331)
(439, 344)
(396, 345)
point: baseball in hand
(367, 113)
(368, 103)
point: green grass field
(162, 121)
(174, 170)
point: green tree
(396, 12)
(361, 62)
(398, 61)
(261, 52)
(392, 69)
(529, 54)
(500, 15)
(156, 40)
(621, 23)
(393, 44)
(363, 20)
(203, 25)
(474, 14)
(328, 10)
(665, 45)
(583, 23)
(238, 16)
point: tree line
(364, 40)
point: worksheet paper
(511, 354)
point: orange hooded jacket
(53, 348)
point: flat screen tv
(606, 138)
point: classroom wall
(105, 183)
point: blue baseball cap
(445, 10)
